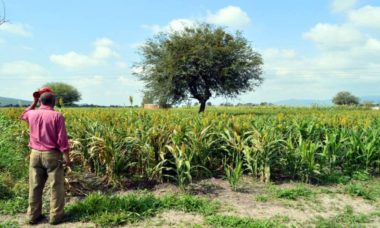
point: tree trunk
(203, 106)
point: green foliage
(134, 207)
(198, 62)
(345, 98)
(65, 92)
(237, 222)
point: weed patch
(294, 193)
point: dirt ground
(328, 202)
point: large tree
(199, 62)
(345, 98)
(65, 92)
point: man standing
(48, 141)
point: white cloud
(128, 81)
(367, 16)
(153, 28)
(85, 82)
(179, 24)
(23, 70)
(231, 16)
(347, 59)
(176, 25)
(137, 45)
(335, 36)
(342, 5)
(121, 65)
(103, 51)
(272, 53)
(73, 60)
(104, 42)
(16, 29)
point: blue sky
(311, 49)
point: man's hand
(35, 100)
(66, 158)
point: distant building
(375, 108)
(151, 106)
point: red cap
(42, 90)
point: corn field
(268, 143)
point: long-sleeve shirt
(47, 129)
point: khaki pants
(46, 165)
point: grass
(14, 205)
(358, 189)
(118, 210)
(347, 218)
(9, 224)
(13, 196)
(263, 198)
(294, 193)
(5, 192)
(237, 222)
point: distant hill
(304, 102)
(4, 101)
(310, 102)
(374, 99)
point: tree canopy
(65, 92)
(198, 62)
(345, 98)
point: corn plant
(234, 172)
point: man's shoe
(65, 218)
(55, 222)
(37, 220)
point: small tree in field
(345, 98)
(65, 92)
(199, 62)
(131, 100)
